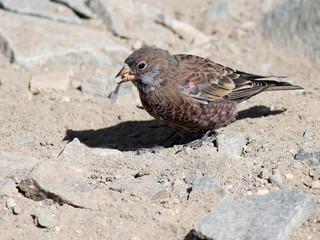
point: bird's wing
(205, 80)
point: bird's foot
(198, 143)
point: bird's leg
(198, 143)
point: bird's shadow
(258, 112)
(134, 135)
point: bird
(191, 92)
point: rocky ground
(79, 157)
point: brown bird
(190, 92)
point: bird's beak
(126, 74)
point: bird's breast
(171, 107)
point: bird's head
(147, 65)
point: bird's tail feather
(279, 86)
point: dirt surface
(274, 123)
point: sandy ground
(274, 124)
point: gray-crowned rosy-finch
(190, 92)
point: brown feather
(207, 81)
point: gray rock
(295, 24)
(157, 192)
(307, 132)
(17, 210)
(101, 85)
(231, 144)
(7, 187)
(193, 176)
(183, 30)
(49, 82)
(220, 15)
(219, 10)
(11, 203)
(43, 218)
(41, 8)
(46, 42)
(206, 183)
(276, 179)
(137, 16)
(78, 6)
(308, 154)
(76, 84)
(73, 153)
(62, 179)
(123, 93)
(16, 166)
(264, 174)
(272, 216)
(29, 143)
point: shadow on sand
(133, 135)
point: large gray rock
(139, 17)
(62, 179)
(31, 42)
(16, 166)
(273, 216)
(231, 144)
(307, 154)
(49, 82)
(295, 24)
(99, 84)
(184, 30)
(41, 8)
(78, 6)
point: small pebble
(297, 165)
(53, 207)
(264, 174)
(307, 132)
(11, 203)
(316, 184)
(76, 84)
(43, 218)
(288, 176)
(192, 176)
(262, 191)
(17, 210)
(277, 180)
(65, 99)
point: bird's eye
(142, 65)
